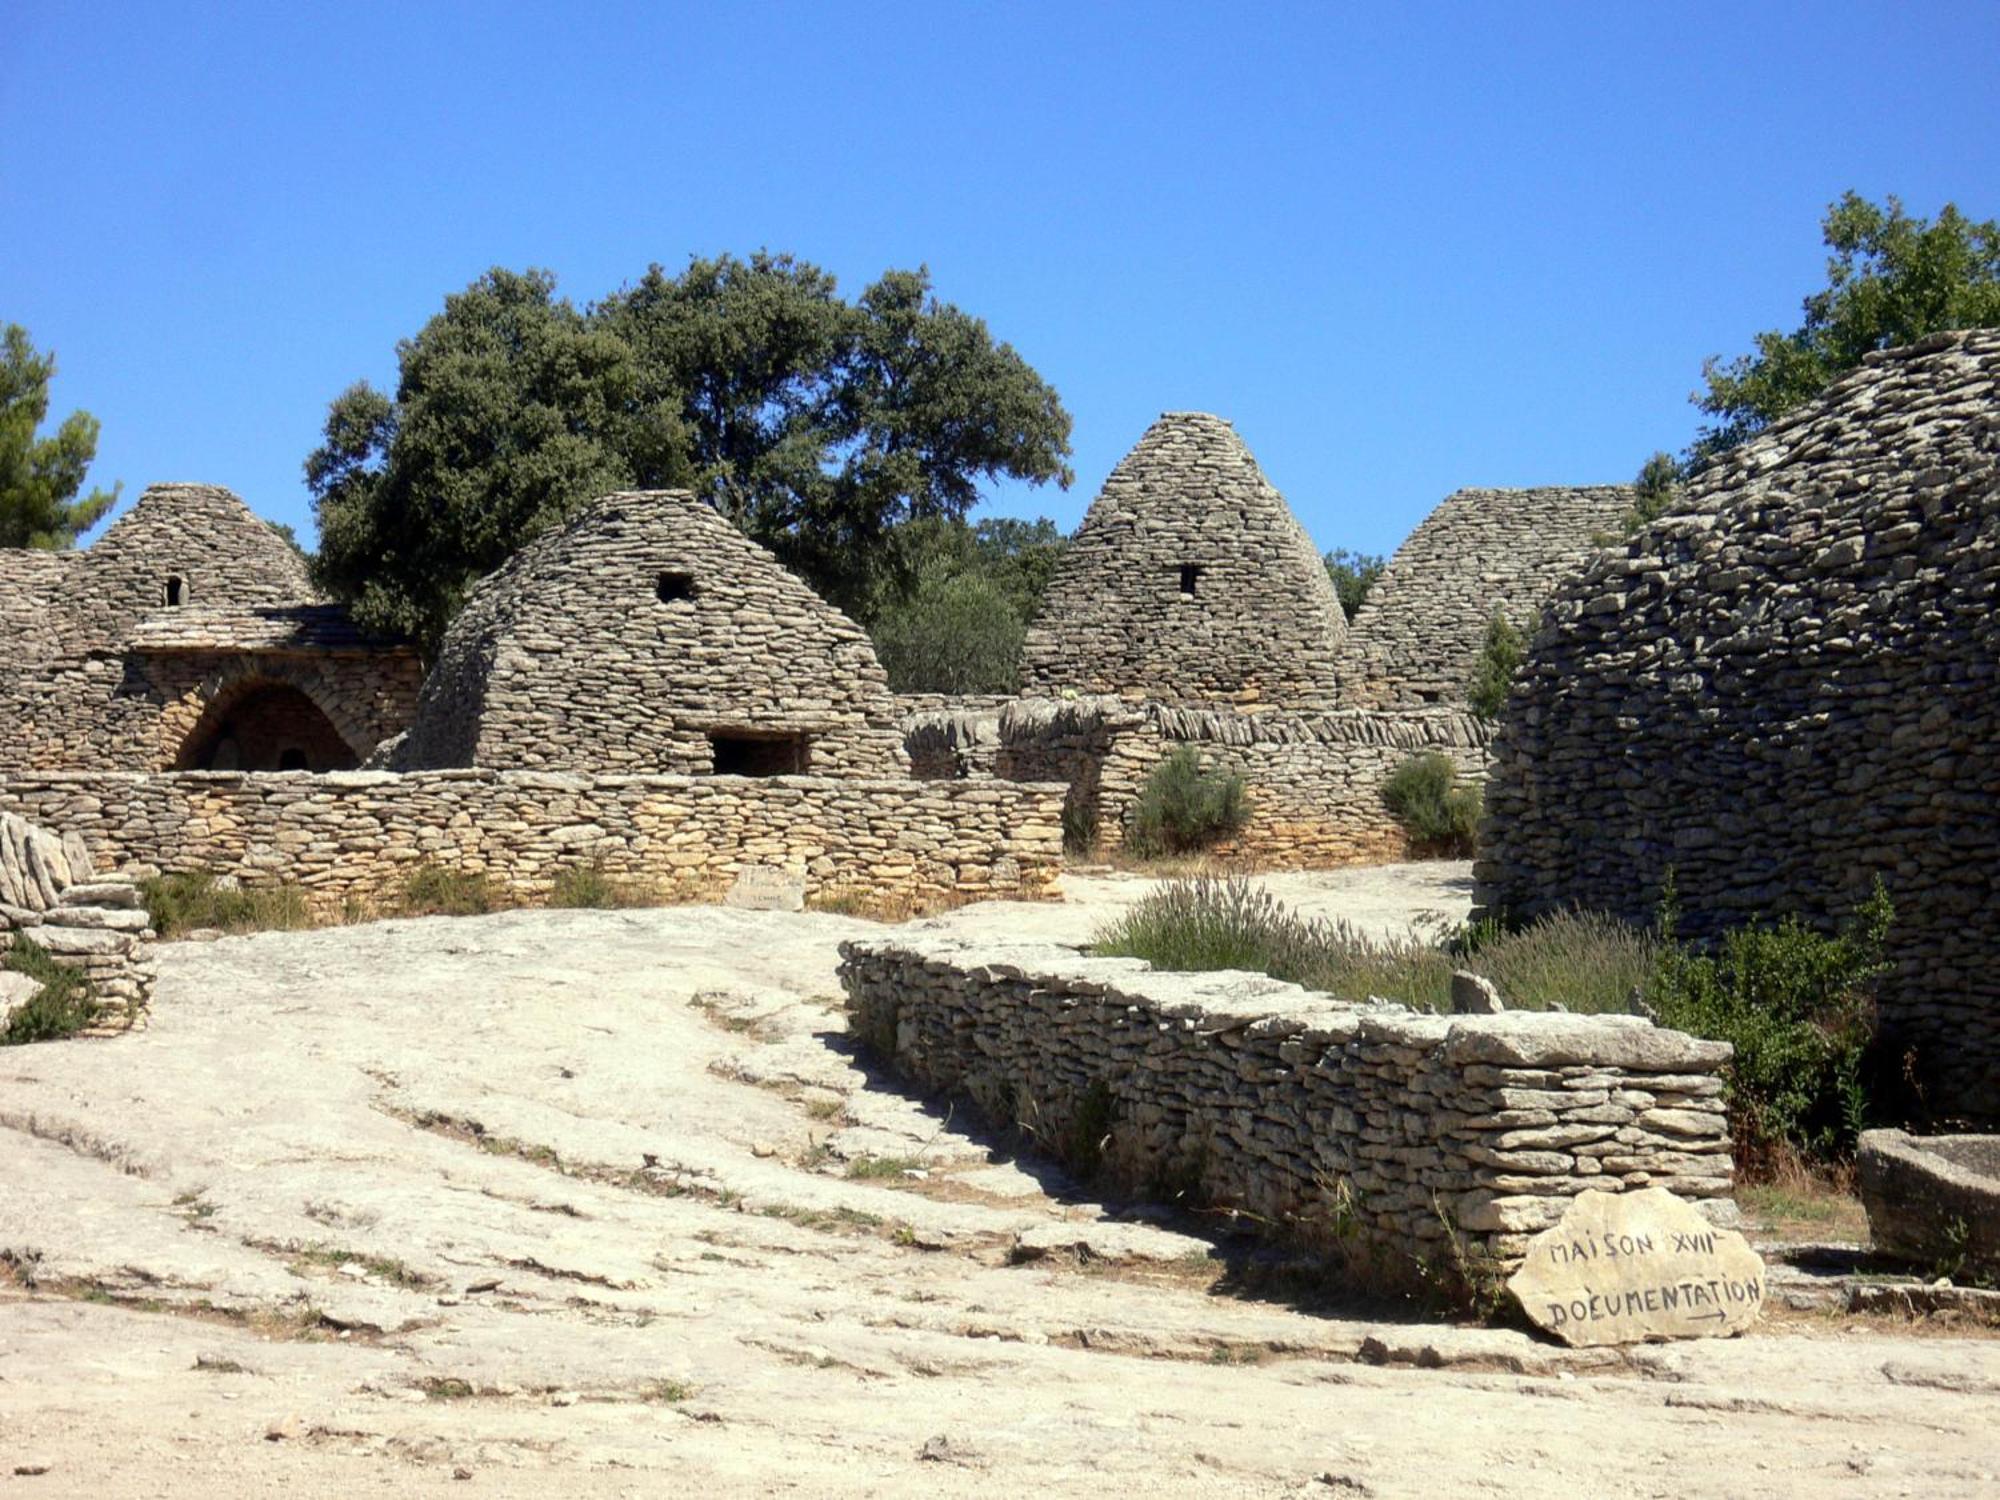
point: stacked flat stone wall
(1418, 637)
(354, 837)
(51, 896)
(1324, 1120)
(1314, 780)
(1789, 688)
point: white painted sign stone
(1621, 1268)
(767, 888)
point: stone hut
(188, 637)
(1189, 582)
(1418, 636)
(649, 635)
(1786, 688)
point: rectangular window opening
(173, 593)
(1190, 576)
(749, 752)
(674, 587)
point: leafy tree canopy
(956, 617)
(821, 427)
(40, 477)
(1891, 279)
(1353, 575)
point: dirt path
(599, 1203)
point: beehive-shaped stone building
(187, 637)
(1190, 582)
(1419, 634)
(648, 635)
(1790, 687)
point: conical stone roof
(632, 636)
(1190, 581)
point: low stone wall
(1432, 1137)
(1314, 780)
(354, 836)
(51, 896)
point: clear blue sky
(1404, 248)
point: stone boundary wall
(354, 836)
(1323, 1119)
(1314, 779)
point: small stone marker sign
(767, 888)
(1623, 1267)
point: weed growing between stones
(191, 900)
(590, 886)
(1440, 814)
(432, 890)
(1582, 962)
(1185, 806)
(63, 1006)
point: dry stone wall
(1189, 581)
(1314, 780)
(648, 635)
(355, 837)
(1419, 634)
(1323, 1119)
(1786, 689)
(51, 896)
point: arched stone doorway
(265, 726)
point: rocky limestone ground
(604, 1204)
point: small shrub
(432, 890)
(1185, 806)
(64, 1006)
(1799, 1008)
(1440, 814)
(190, 900)
(589, 885)
(1079, 825)
(1583, 962)
(1500, 657)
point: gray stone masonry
(1789, 687)
(1314, 780)
(137, 652)
(51, 895)
(637, 637)
(354, 837)
(1321, 1118)
(1190, 581)
(1420, 631)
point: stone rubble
(52, 896)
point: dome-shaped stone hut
(1787, 688)
(648, 635)
(188, 637)
(1419, 634)
(1189, 582)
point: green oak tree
(1353, 575)
(820, 427)
(1891, 278)
(40, 477)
